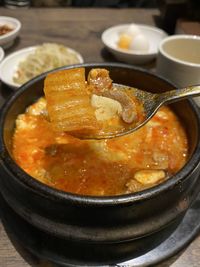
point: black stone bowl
(71, 229)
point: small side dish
(44, 148)
(24, 64)
(133, 43)
(9, 29)
(45, 57)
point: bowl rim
(14, 31)
(178, 37)
(50, 192)
(2, 54)
(129, 52)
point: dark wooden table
(79, 29)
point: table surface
(80, 29)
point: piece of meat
(100, 80)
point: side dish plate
(9, 65)
(154, 35)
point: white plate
(1, 53)
(154, 36)
(9, 65)
(6, 40)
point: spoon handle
(174, 95)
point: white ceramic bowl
(9, 65)
(1, 54)
(6, 40)
(154, 36)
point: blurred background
(174, 13)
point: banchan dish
(98, 230)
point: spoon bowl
(151, 103)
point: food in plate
(132, 38)
(45, 57)
(4, 29)
(122, 165)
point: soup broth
(117, 166)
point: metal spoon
(151, 103)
